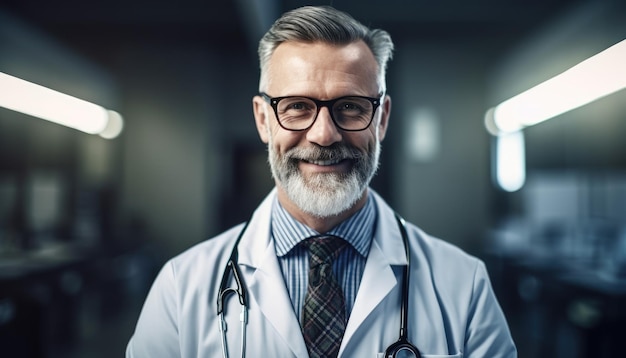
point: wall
(182, 130)
(169, 170)
(447, 196)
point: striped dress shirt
(287, 232)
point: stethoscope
(400, 349)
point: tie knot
(324, 249)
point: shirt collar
(357, 230)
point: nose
(324, 132)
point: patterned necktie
(324, 310)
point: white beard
(324, 194)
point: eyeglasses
(349, 113)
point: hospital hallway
(167, 155)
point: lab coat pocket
(458, 355)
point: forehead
(318, 67)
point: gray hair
(326, 24)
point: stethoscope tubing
(225, 291)
(241, 291)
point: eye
(351, 107)
(296, 105)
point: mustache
(333, 152)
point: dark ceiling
(87, 25)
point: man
(322, 110)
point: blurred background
(86, 222)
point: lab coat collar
(388, 236)
(257, 237)
(262, 273)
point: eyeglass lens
(350, 113)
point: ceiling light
(594, 78)
(45, 103)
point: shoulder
(216, 250)
(440, 254)
(195, 273)
(424, 247)
(190, 270)
(437, 258)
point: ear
(384, 117)
(261, 117)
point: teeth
(324, 162)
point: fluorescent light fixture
(594, 78)
(42, 102)
(510, 161)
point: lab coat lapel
(267, 288)
(264, 279)
(378, 279)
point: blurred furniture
(560, 307)
(40, 298)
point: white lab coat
(453, 311)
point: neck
(319, 224)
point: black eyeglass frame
(273, 101)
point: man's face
(323, 170)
